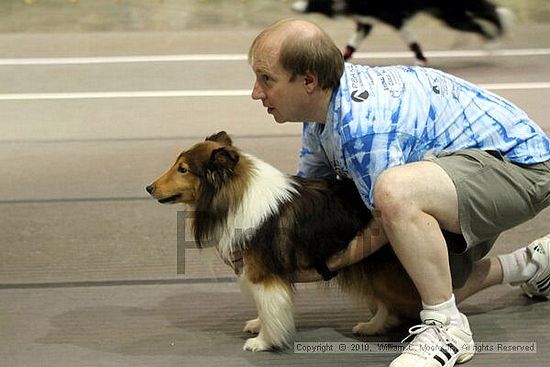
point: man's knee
(406, 192)
(392, 194)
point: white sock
(517, 267)
(449, 309)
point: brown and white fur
(281, 224)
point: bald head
(286, 29)
(295, 29)
(300, 46)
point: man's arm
(312, 162)
(365, 243)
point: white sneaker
(437, 343)
(539, 284)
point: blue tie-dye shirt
(381, 117)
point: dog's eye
(182, 169)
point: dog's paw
(253, 326)
(368, 328)
(256, 345)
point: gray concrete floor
(88, 262)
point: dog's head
(329, 8)
(209, 163)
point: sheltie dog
(477, 16)
(281, 224)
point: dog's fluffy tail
(299, 6)
(507, 20)
(381, 278)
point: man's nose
(257, 92)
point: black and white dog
(477, 16)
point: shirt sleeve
(369, 155)
(313, 162)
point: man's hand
(365, 243)
(306, 276)
(236, 262)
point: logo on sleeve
(359, 97)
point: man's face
(284, 99)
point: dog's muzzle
(151, 190)
(169, 199)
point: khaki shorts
(494, 194)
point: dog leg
(361, 32)
(463, 21)
(410, 39)
(274, 302)
(252, 326)
(378, 324)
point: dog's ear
(225, 157)
(220, 137)
(221, 165)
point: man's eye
(266, 78)
(182, 169)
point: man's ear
(311, 81)
(220, 137)
(221, 165)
